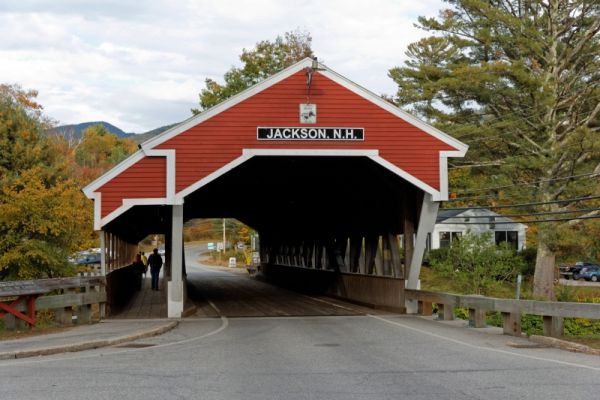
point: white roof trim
(311, 152)
(127, 204)
(436, 195)
(249, 153)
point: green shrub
(494, 318)
(461, 313)
(528, 256)
(532, 324)
(476, 264)
(582, 327)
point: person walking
(155, 261)
(145, 262)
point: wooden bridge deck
(146, 303)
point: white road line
(213, 305)
(18, 362)
(330, 303)
(481, 347)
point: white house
(452, 224)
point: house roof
(444, 215)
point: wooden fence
(67, 297)
(552, 312)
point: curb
(94, 344)
(564, 344)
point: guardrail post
(425, 308)
(476, 318)
(10, 322)
(553, 326)
(511, 323)
(445, 312)
(64, 316)
(84, 314)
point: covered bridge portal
(328, 173)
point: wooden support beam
(445, 312)
(319, 255)
(511, 323)
(396, 256)
(553, 326)
(379, 258)
(425, 308)
(371, 244)
(386, 256)
(477, 318)
(428, 214)
(408, 242)
(308, 253)
(354, 254)
(339, 250)
(175, 291)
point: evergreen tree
(519, 81)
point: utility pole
(224, 238)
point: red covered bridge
(328, 173)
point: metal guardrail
(552, 312)
(20, 299)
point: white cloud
(141, 64)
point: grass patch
(430, 280)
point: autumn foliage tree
(264, 60)
(44, 217)
(98, 151)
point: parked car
(591, 273)
(575, 271)
(85, 258)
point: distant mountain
(75, 131)
(142, 137)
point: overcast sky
(140, 64)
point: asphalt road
(309, 357)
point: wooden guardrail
(65, 296)
(552, 312)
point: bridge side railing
(552, 312)
(66, 297)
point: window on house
(446, 238)
(511, 237)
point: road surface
(361, 356)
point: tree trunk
(543, 280)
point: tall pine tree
(518, 80)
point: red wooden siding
(145, 179)
(214, 143)
(219, 140)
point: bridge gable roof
(200, 149)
